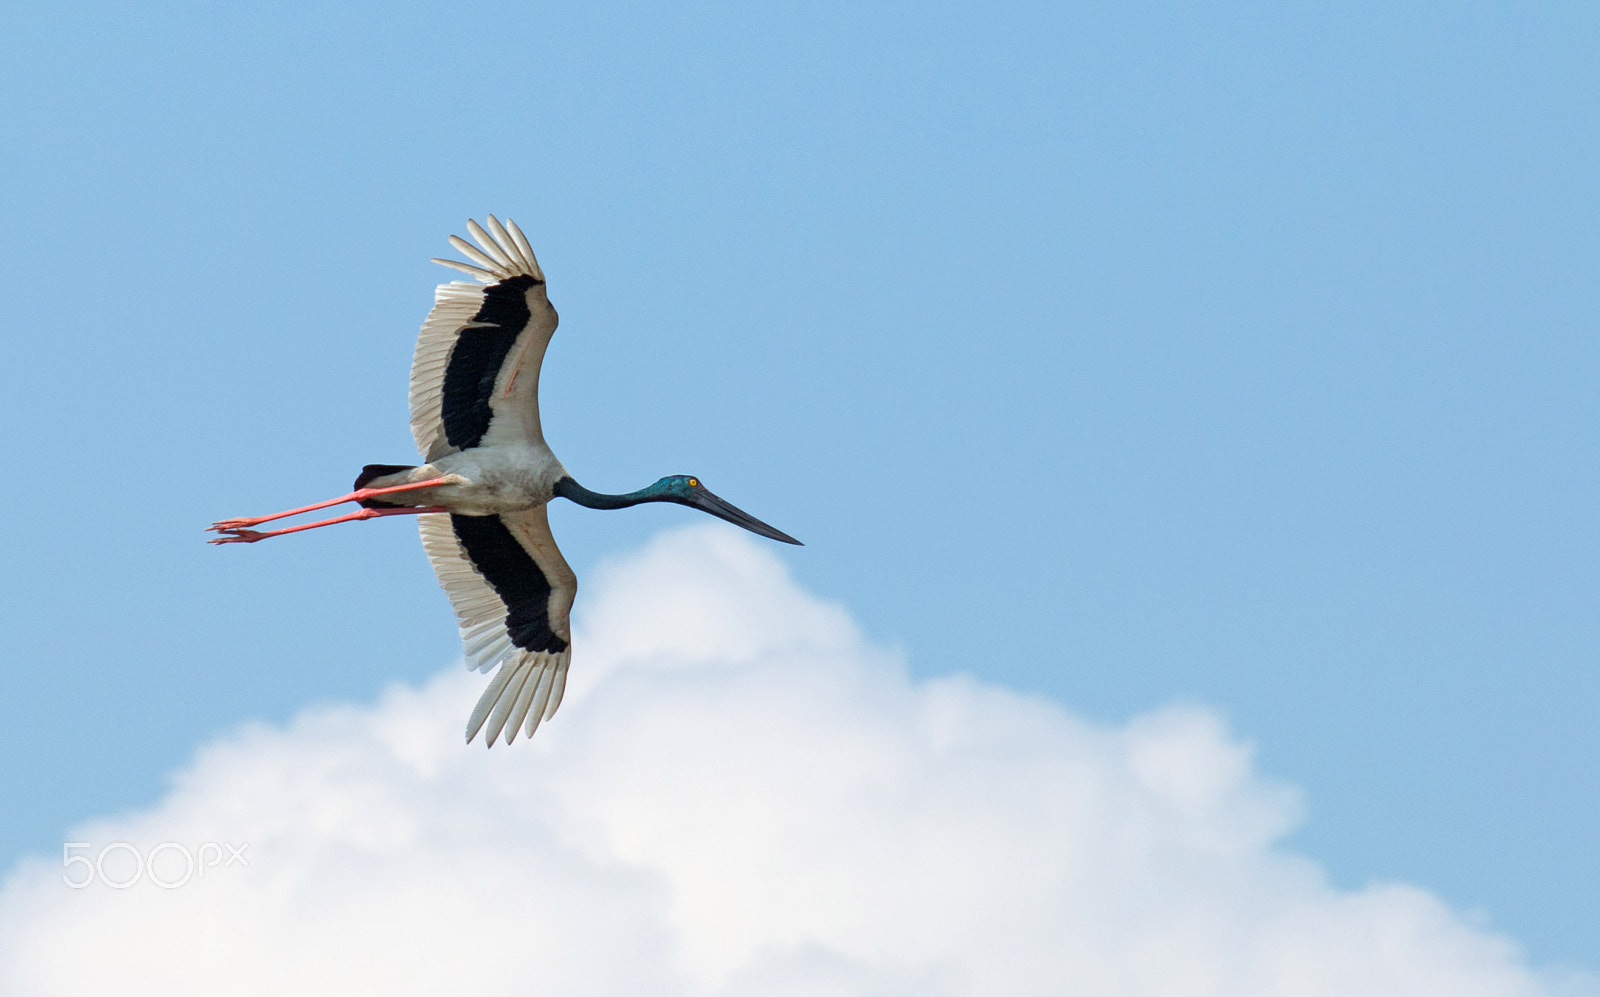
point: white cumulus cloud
(741, 796)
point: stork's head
(686, 489)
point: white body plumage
(486, 480)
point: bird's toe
(236, 536)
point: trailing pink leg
(234, 525)
(240, 535)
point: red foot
(238, 537)
(235, 525)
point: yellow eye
(693, 483)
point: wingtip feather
(486, 702)
(466, 268)
(508, 699)
(502, 252)
(525, 699)
(542, 696)
(559, 686)
(525, 248)
(477, 256)
(490, 247)
(503, 239)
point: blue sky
(1125, 354)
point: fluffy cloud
(740, 796)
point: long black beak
(707, 502)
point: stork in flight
(480, 497)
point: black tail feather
(374, 471)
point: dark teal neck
(568, 489)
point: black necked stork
(480, 496)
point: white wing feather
(528, 687)
(454, 304)
(504, 254)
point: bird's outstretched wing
(475, 375)
(512, 592)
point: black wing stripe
(515, 578)
(475, 361)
